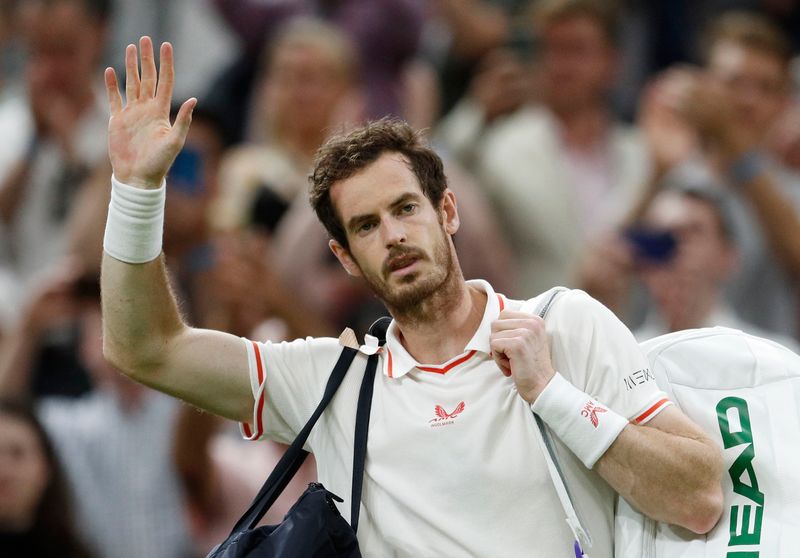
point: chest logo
(590, 411)
(443, 417)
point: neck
(440, 330)
(583, 127)
(692, 314)
(302, 145)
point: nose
(393, 232)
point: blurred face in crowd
(756, 81)
(65, 44)
(577, 62)
(704, 257)
(399, 243)
(304, 87)
(24, 473)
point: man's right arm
(143, 333)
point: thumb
(181, 126)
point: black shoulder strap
(295, 455)
(377, 329)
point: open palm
(142, 144)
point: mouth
(401, 264)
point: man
(114, 442)
(561, 171)
(687, 284)
(453, 466)
(720, 118)
(54, 138)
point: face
(398, 242)
(65, 44)
(305, 85)
(23, 472)
(577, 62)
(755, 81)
(703, 260)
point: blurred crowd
(646, 152)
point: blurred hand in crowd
(784, 139)
(670, 138)
(502, 84)
(55, 301)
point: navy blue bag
(313, 527)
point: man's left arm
(668, 469)
(648, 451)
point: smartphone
(652, 246)
(186, 174)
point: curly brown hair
(345, 155)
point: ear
(343, 255)
(450, 212)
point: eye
(409, 208)
(365, 227)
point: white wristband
(135, 224)
(587, 427)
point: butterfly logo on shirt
(590, 411)
(443, 417)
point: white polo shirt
(453, 465)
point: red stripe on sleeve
(659, 404)
(260, 406)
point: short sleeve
(593, 349)
(287, 380)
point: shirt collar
(397, 361)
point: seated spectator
(35, 503)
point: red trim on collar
(500, 301)
(447, 368)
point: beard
(408, 297)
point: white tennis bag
(743, 391)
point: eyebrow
(357, 220)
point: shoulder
(519, 127)
(320, 349)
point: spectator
(309, 87)
(562, 171)
(720, 118)
(114, 443)
(385, 34)
(56, 131)
(687, 281)
(35, 504)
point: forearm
(778, 218)
(11, 190)
(140, 314)
(668, 477)
(476, 25)
(16, 361)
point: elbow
(136, 364)
(705, 511)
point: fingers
(147, 89)
(183, 120)
(510, 320)
(166, 76)
(112, 91)
(131, 74)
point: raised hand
(142, 144)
